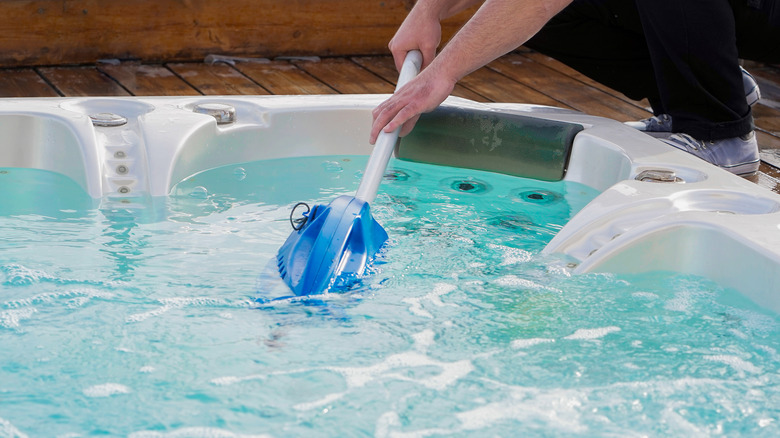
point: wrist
(431, 10)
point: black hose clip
(297, 224)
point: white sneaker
(752, 93)
(659, 123)
(738, 155)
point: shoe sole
(743, 169)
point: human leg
(662, 123)
(603, 40)
(693, 48)
(758, 29)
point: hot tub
(547, 273)
(659, 209)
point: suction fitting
(107, 119)
(222, 112)
(467, 185)
(537, 196)
(396, 175)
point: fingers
(390, 115)
(399, 54)
(383, 115)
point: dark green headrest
(490, 140)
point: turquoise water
(153, 321)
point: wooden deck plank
(565, 69)
(82, 81)
(768, 79)
(566, 89)
(24, 82)
(345, 76)
(148, 79)
(496, 87)
(767, 141)
(384, 67)
(282, 77)
(767, 111)
(767, 118)
(216, 79)
(767, 177)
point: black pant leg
(693, 48)
(603, 40)
(680, 54)
(758, 29)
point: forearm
(498, 27)
(421, 29)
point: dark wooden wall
(57, 32)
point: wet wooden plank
(216, 79)
(498, 88)
(767, 141)
(148, 79)
(384, 67)
(566, 89)
(767, 177)
(24, 82)
(82, 81)
(345, 76)
(767, 111)
(768, 78)
(281, 77)
(767, 118)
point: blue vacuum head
(332, 248)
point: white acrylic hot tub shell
(714, 224)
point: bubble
(199, 192)
(332, 166)
(239, 173)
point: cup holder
(723, 201)
(112, 108)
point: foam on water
(592, 333)
(106, 390)
(171, 320)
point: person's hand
(419, 31)
(422, 94)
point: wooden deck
(523, 76)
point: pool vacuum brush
(333, 244)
